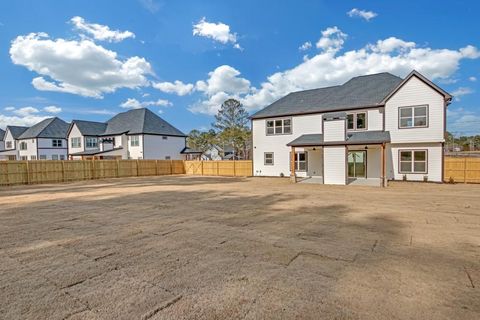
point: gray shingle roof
(2, 134)
(16, 131)
(188, 150)
(361, 137)
(140, 121)
(94, 152)
(358, 92)
(48, 128)
(90, 128)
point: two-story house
(45, 140)
(134, 134)
(2, 143)
(371, 129)
(10, 138)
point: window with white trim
(54, 156)
(300, 161)
(357, 121)
(91, 142)
(268, 158)
(33, 157)
(23, 146)
(57, 143)
(279, 126)
(134, 141)
(76, 142)
(9, 145)
(43, 157)
(413, 117)
(413, 161)
(62, 157)
(23, 158)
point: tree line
(230, 130)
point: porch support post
(383, 165)
(293, 177)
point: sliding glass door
(357, 164)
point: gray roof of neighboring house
(188, 150)
(48, 128)
(16, 131)
(358, 92)
(140, 121)
(90, 128)
(2, 134)
(361, 137)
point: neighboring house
(10, 138)
(45, 140)
(214, 153)
(2, 143)
(134, 134)
(370, 129)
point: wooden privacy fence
(462, 169)
(51, 171)
(236, 168)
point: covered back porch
(360, 160)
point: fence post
(465, 170)
(217, 168)
(138, 171)
(234, 169)
(201, 166)
(63, 170)
(156, 167)
(171, 166)
(28, 172)
(118, 168)
(93, 168)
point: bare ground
(230, 248)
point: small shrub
(404, 177)
(451, 180)
(282, 175)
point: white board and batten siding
(305, 124)
(334, 130)
(375, 119)
(335, 165)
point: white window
(76, 142)
(413, 161)
(134, 141)
(167, 158)
(57, 143)
(23, 146)
(33, 157)
(268, 158)
(413, 117)
(43, 157)
(23, 158)
(279, 126)
(300, 161)
(54, 156)
(357, 121)
(62, 157)
(9, 145)
(91, 142)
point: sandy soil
(229, 248)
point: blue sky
(92, 59)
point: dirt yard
(181, 247)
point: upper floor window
(164, 137)
(91, 142)
(9, 145)
(413, 161)
(357, 121)
(134, 141)
(413, 117)
(76, 142)
(56, 143)
(23, 145)
(279, 126)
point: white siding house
(368, 130)
(135, 134)
(10, 138)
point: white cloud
(177, 87)
(332, 67)
(332, 39)
(100, 32)
(132, 103)
(217, 31)
(307, 45)
(25, 116)
(52, 109)
(462, 122)
(461, 91)
(151, 5)
(98, 111)
(77, 67)
(472, 79)
(367, 15)
(25, 111)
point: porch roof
(94, 152)
(353, 138)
